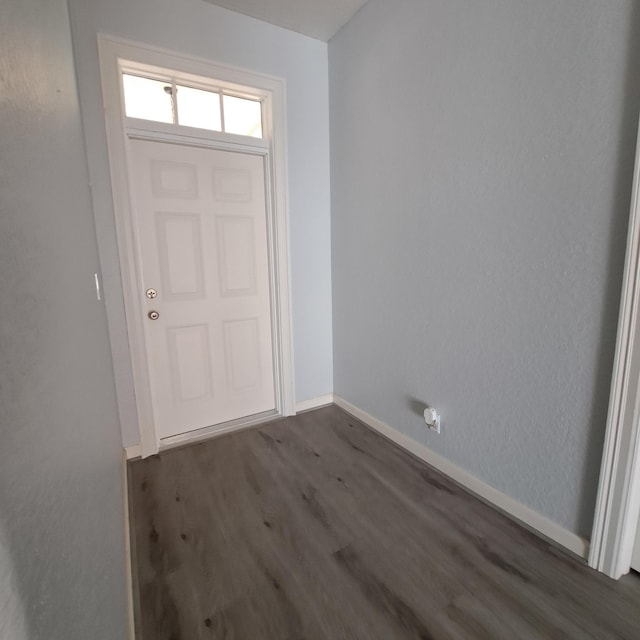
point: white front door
(201, 233)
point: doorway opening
(196, 152)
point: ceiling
(320, 19)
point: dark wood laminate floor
(315, 527)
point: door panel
(190, 366)
(242, 348)
(201, 227)
(236, 258)
(180, 255)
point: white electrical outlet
(432, 419)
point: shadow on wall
(417, 406)
(617, 244)
(13, 623)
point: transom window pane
(147, 99)
(198, 108)
(157, 100)
(242, 117)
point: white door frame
(618, 503)
(116, 54)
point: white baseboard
(134, 451)
(530, 518)
(314, 403)
(127, 544)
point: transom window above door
(172, 102)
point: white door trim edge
(509, 506)
(618, 502)
(111, 52)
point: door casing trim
(115, 53)
(618, 502)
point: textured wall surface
(62, 573)
(197, 28)
(481, 169)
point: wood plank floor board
(509, 557)
(513, 555)
(282, 513)
(315, 527)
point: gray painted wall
(62, 573)
(196, 28)
(481, 169)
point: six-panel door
(201, 227)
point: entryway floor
(317, 528)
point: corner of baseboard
(314, 403)
(510, 506)
(134, 451)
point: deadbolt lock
(151, 293)
(153, 315)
